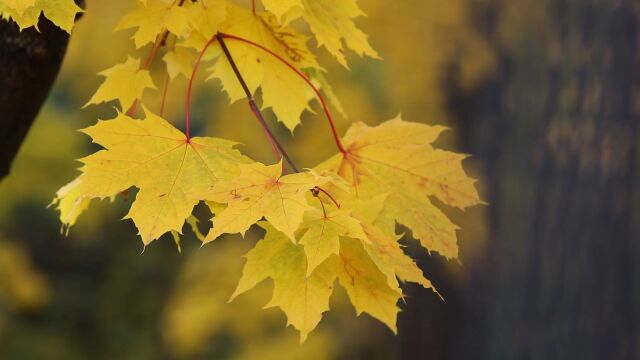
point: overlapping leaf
(19, 6)
(331, 22)
(123, 82)
(368, 288)
(261, 191)
(171, 173)
(322, 234)
(180, 61)
(346, 244)
(260, 69)
(396, 158)
(151, 17)
(303, 298)
(26, 13)
(204, 19)
(382, 244)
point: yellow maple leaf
(382, 244)
(27, 19)
(260, 69)
(386, 253)
(360, 219)
(331, 21)
(396, 158)
(280, 7)
(62, 12)
(366, 285)
(19, 6)
(171, 172)
(26, 13)
(124, 82)
(205, 16)
(302, 298)
(151, 17)
(71, 203)
(323, 232)
(261, 191)
(180, 61)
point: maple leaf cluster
(333, 223)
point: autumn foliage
(334, 222)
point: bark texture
(29, 63)
(556, 133)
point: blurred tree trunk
(29, 63)
(556, 135)
(555, 132)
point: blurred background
(545, 96)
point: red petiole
(190, 86)
(304, 77)
(317, 190)
(254, 107)
(161, 40)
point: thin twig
(324, 210)
(165, 87)
(334, 131)
(252, 104)
(263, 124)
(318, 190)
(196, 66)
(161, 40)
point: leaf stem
(318, 190)
(165, 87)
(324, 210)
(161, 40)
(275, 145)
(254, 107)
(303, 76)
(187, 110)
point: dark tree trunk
(29, 63)
(555, 132)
